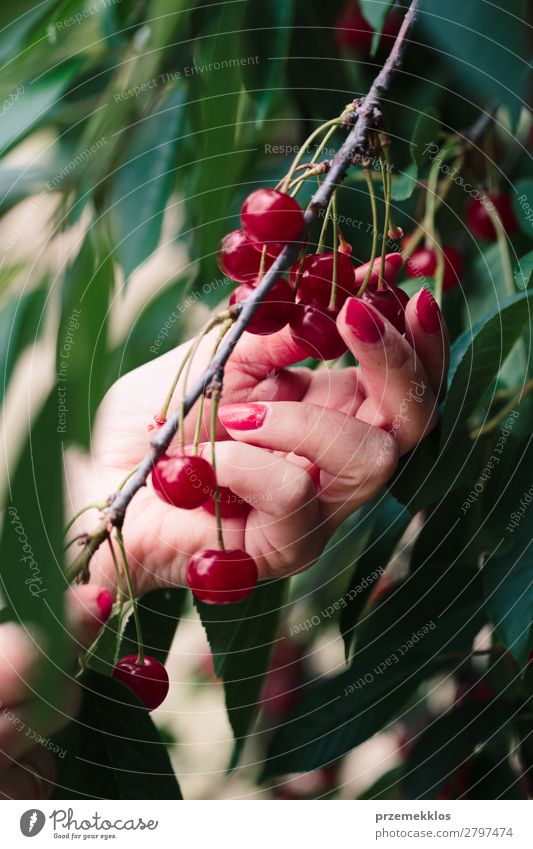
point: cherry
(317, 276)
(479, 221)
(393, 263)
(275, 311)
(424, 261)
(183, 481)
(221, 577)
(238, 258)
(230, 504)
(391, 303)
(355, 33)
(269, 216)
(313, 327)
(148, 680)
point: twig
(363, 120)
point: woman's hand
(305, 448)
(27, 768)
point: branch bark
(366, 118)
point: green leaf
(448, 742)
(82, 340)
(523, 273)
(389, 522)
(522, 198)
(478, 355)
(20, 323)
(406, 639)
(485, 48)
(112, 750)
(159, 612)
(404, 184)
(267, 28)
(143, 183)
(425, 132)
(241, 637)
(375, 12)
(31, 547)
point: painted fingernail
(105, 603)
(428, 312)
(365, 323)
(242, 416)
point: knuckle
(296, 488)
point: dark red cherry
(423, 263)
(479, 221)
(317, 276)
(221, 577)
(183, 481)
(391, 303)
(313, 327)
(270, 216)
(393, 263)
(355, 34)
(149, 680)
(238, 258)
(231, 505)
(275, 311)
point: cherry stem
(262, 267)
(372, 195)
(138, 630)
(201, 403)
(324, 228)
(333, 297)
(334, 123)
(120, 588)
(385, 176)
(94, 506)
(431, 234)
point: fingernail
(242, 416)
(428, 312)
(105, 603)
(365, 323)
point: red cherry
(275, 311)
(314, 329)
(393, 263)
(479, 221)
(230, 504)
(391, 303)
(317, 275)
(353, 31)
(183, 481)
(238, 258)
(269, 216)
(423, 262)
(148, 680)
(221, 577)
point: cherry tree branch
(365, 118)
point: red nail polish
(428, 312)
(364, 321)
(105, 603)
(242, 416)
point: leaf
(388, 524)
(143, 184)
(448, 742)
(405, 640)
(522, 198)
(404, 184)
(31, 548)
(82, 341)
(112, 750)
(159, 612)
(33, 105)
(523, 273)
(484, 47)
(20, 324)
(477, 356)
(241, 637)
(426, 130)
(266, 33)
(376, 13)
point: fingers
(262, 354)
(283, 532)
(427, 333)
(399, 396)
(355, 459)
(31, 778)
(88, 607)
